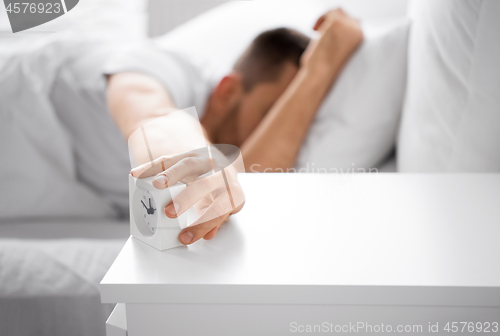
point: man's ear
(228, 92)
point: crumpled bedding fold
(34, 146)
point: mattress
(49, 275)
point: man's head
(261, 74)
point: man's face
(251, 107)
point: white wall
(164, 15)
(157, 17)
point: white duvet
(49, 286)
(38, 177)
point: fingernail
(186, 237)
(160, 181)
(171, 210)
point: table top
(419, 239)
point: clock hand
(151, 210)
(144, 205)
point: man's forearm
(134, 100)
(277, 140)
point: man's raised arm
(275, 143)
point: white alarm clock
(148, 221)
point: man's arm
(275, 143)
(134, 100)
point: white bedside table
(328, 251)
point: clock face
(145, 212)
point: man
(265, 106)
(230, 109)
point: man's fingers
(215, 215)
(329, 16)
(164, 162)
(194, 233)
(194, 192)
(186, 167)
(155, 167)
(319, 22)
(220, 208)
(211, 233)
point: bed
(51, 267)
(50, 272)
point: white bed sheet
(50, 269)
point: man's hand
(340, 35)
(213, 190)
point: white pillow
(357, 124)
(451, 119)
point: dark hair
(264, 59)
